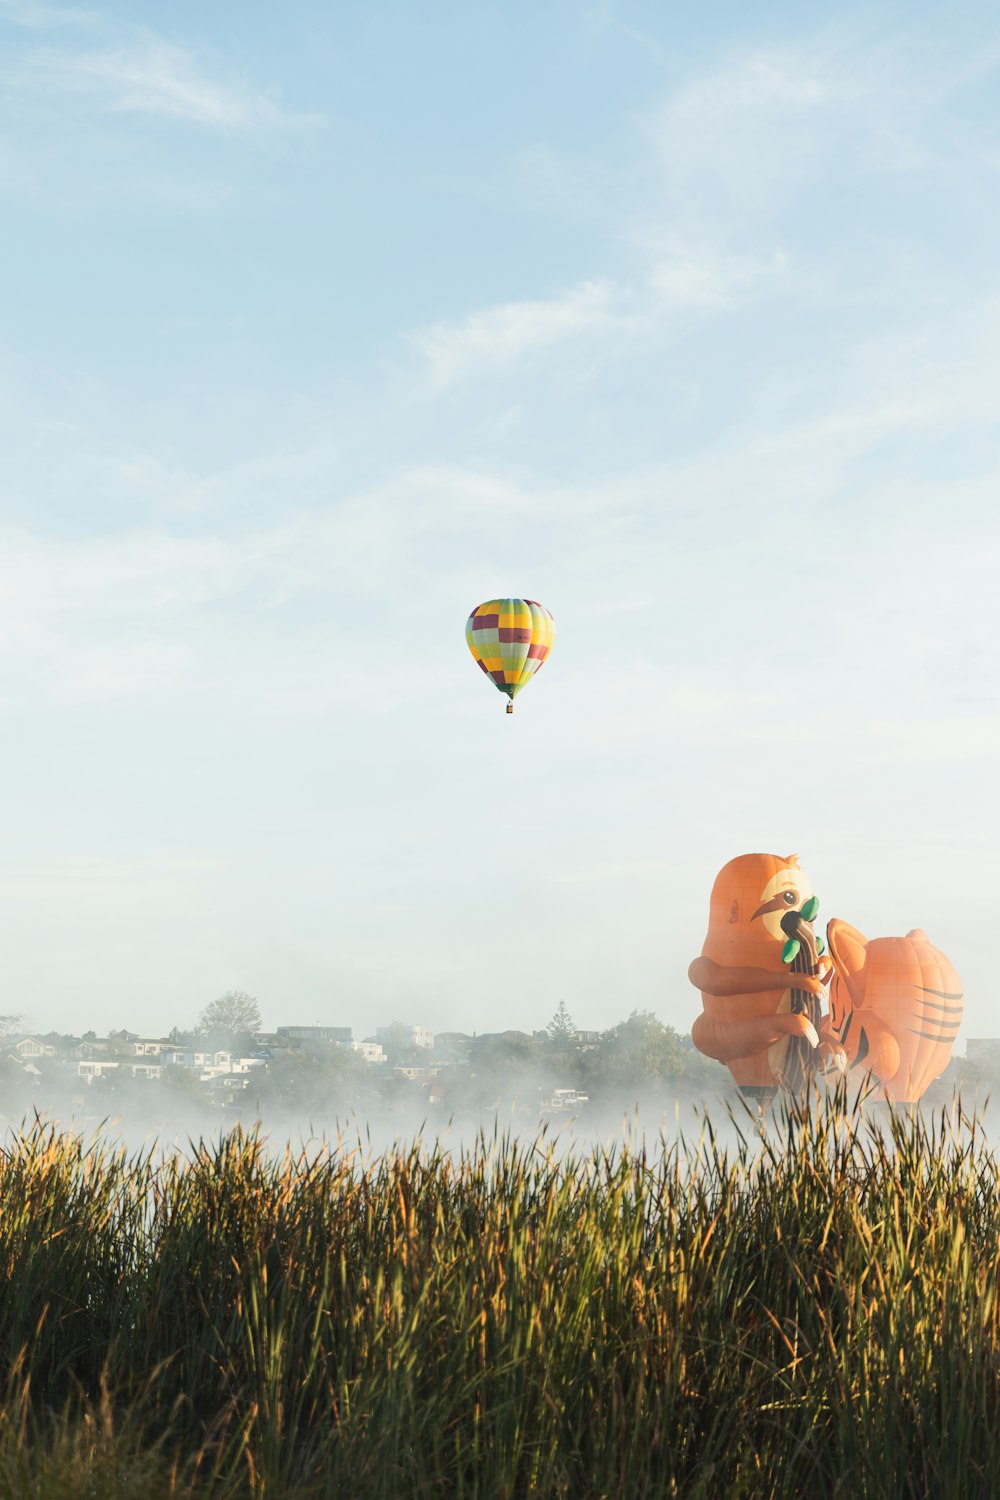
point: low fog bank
(637, 1081)
(168, 1113)
(526, 1105)
(308, 1083)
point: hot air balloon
(895, 1008)
(759, 1018)
(510, 638)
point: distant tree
(234, 1014)
(635, 1054)
(562, 1029)
(10, 1026)
(702, 1073)
(323, 1081)
(507, 1067)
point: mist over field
(639, 1076)
(369, 1116)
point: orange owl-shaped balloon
(895, 1008)
(746, 988)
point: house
(372, 1052)
(93, 1048)
(452, 1047)
(30, 1047)
(130, 1045)
(151, 1047)
(220, 1065)
(200, 1061)
(245, 1065)
(91, 1068)
(226, 1087)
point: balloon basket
(510, 708)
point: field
(808, 1309)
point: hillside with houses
(229, 1064)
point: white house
(29, 1047)
(372, 1052)
(91, 1068)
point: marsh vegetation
(808, 1306)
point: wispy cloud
(600, 19)
(151, 76)
(681, 275)
(500, 336)
(40, 17)
(699, 276)
(746, 128)
(746, 133)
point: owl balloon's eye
(789, 898)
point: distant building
(397, 1037)
(138, 1046)
(30, 1046)
(452, 1046)
(342, 1035)
(563, 1101)
(585, 1040)
(93, 1048)
(89, 1070)
(372, 1052)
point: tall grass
(808, 1306)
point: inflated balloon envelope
(895, 1002)
(758, 1019)
(510, 639)
(895, 1008)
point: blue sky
(324, 323)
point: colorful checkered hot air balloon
(510, 638)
